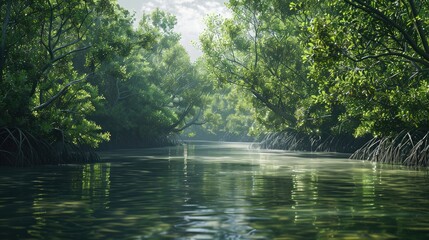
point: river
(215, 191)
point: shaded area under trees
(75, 74)
(329, 72)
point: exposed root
(19, 147)
(294, 141)
(409, 149)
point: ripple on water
(214, 192)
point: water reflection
(216, 191)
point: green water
(215, 191)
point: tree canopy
(82, 73)
(317, 66)
(78, 73)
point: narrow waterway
(215, 191)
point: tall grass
(19, 147)
(409, 149)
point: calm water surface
(215, 191)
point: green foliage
(151, 89)
(326, 68)
(76, 72)
(228, 116)
(40, 87)
(258, 51)
(373, 59)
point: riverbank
(20, 147)
(406, 148)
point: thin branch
(58, 95)
(255, 28)
(181, 118)
(382, 17)
(419, 26)
(192, 122)
(69, 53)
(288, 117)
(237, 62)
(67, 45)
(60, 32)
(51, 22)
(274, 74)
(413, 59)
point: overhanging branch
(62, 92)
(389, 22)
(395, 54)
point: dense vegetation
(329, 75)
(75, 74)
(306, 75)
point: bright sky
(190, 16)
